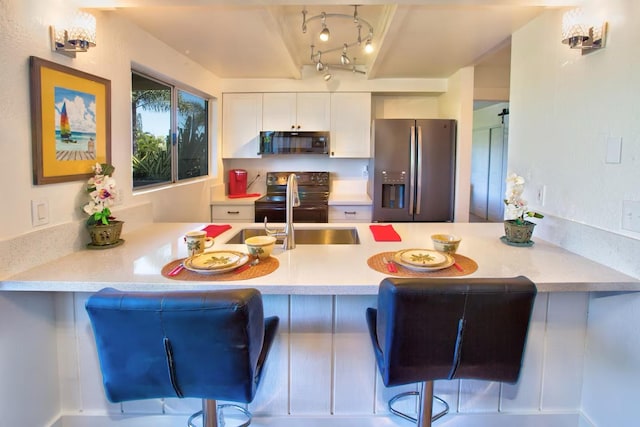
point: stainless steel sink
(307, 236)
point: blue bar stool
(434, 329)
(210, 345)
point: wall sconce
(78, 35)
(579, 33)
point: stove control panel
(304, 178)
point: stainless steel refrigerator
(413, 170)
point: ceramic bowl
(445, 242)
(260, 246)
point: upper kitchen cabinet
(241, 125)
(350, 124)
(296, 111)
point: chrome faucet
(292, 201)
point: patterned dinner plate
(423, 256)
(216, 261)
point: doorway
(489, 163)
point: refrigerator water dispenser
(393, 186)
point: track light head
(368, 47)
(344, 59)
(324, 34)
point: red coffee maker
(237, 182)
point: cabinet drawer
(232, 213)
(349, 213)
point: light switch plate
(614, 149)
(39, 212)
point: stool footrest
(239, 408)
(407, 417)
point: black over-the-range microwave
(294, 142)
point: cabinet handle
(298, 126)
(350, 213)
(293, 126)
(233, 212)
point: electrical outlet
(365, 172)
(540, 196)
(631, 215)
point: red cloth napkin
(385, 233)
(215, 230)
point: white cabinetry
(228, 212)
(350, 124)
(296, 111)
(241, 125)
(350, 213)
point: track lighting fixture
(343, 62)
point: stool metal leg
(426, 401)
(209, 413)
(426, 404)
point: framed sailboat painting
(70, 122)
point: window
(170, 133)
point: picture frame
(70, 122)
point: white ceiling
(264, 39)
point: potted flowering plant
(101, 188)
(517, 229)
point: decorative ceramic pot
(518, 233)
(105, 235)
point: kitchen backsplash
(350, 175)
(18, 254)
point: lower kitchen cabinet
(350, 213)
(232, 213)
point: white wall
(563, 106)
(24, 32)
(457, 103)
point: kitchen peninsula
(322, 366)
(316, 269)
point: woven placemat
(264, 267)
(467, 265)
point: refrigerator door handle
(419, 172)
(412, 169)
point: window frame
(174, 86)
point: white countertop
(234, 201)
(315, 269)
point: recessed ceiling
(261, 40)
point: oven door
(278, 213)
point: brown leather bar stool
(434, 329)
(210, 345)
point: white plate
(423, 257)
(216, 261)
(397, 257)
